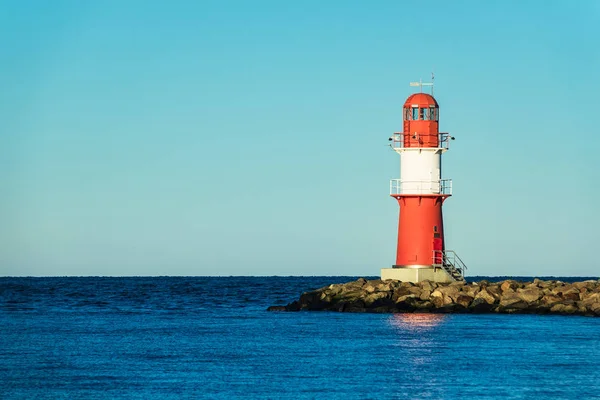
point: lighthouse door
(438, 250)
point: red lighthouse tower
(421, 191)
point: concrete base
(416, 274)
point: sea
(211, 337)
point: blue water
(180, 337)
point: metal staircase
(451, 263)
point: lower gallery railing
(399, 187)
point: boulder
(416, 290)
(551, 299)
(559, 288)
(349, 295)
(590, 298)
(589, 284)
(495, 291)
(312, 301)
(428, 285)
(405, 298)
(486, 296)
(481, 305)
(464, 300)
(437, 298)
(513, 302)
(425, 295)
(571, 294)
(375, 299)
(407, 303)
(423, 306)
(594, 308)
(471, 290)
(451, 291)
(370, 288)
(293, 306)
(401, 291)
(564, 308)
(354, 306)
(509, 285)
(530, 294)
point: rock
(564, 309)
(589, 284)
(369, 288)
(480, 305)
(571, 294)
(551, 299)
(415, 290)
(594, 308)
(401, 291)
(451, 291)
(471, 290)
(277, 308)
(437, 298)
(486, 296)
(450, 308)
(373, 298)
(293, 306)
(424, 306)
(353, 293)
(464, 300)
(513, 302)
(591, 298)
(405, 297)
(530, 294)
(495, 291)
(509, 285)
(558, 289)
(425, 295)
(407, 303)
(428, 285)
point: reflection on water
(416, 322)
(417, 337)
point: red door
(438, 247)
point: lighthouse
(421, 191)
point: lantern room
(421, 115)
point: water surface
(174, 337)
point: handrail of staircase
(456, 257)
(449, 261)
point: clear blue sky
(249, 137)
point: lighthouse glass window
(433, 114)
(425, 114)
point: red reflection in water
(410, 321)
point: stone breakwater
(509, 296)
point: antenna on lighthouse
(420, 84)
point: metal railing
(451, 263)
(403, 140)
(400, 187)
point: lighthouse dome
(423, 100)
